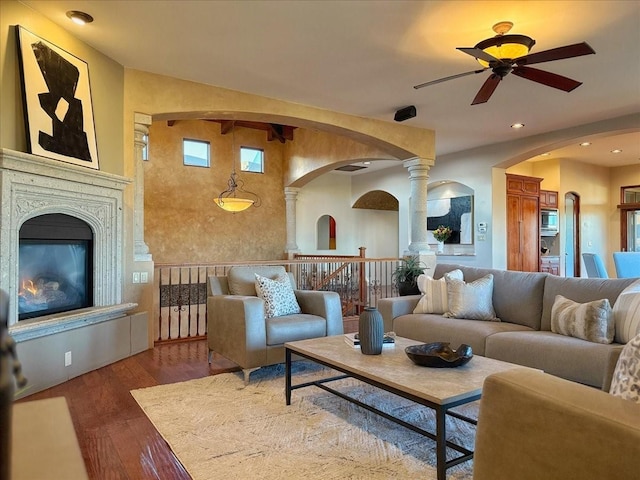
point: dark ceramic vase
(371, 331)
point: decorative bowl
(439, 355)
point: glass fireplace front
(55, 272)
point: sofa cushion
(626, 313)
(434, 293)
(430, 328)
(278, 296)
(626, 377)
(242, 281)
(509, 303)
(567, 357)
(471, 300)
(591, 321)
(581, 290)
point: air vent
(350, 168)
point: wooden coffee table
(438, 388)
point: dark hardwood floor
(116, 438)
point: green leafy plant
(441, 233)
(408, 270)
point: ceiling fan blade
(487, 89)
(547, 78)
(440, 80)
(568, 51)
(477, 53)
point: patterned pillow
(278, 296)
(473, 300)
(592, 321)
(626, 377)
(434, 293)
(626, 313)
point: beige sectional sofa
(522, 301)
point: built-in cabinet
(548, 199)
(523, 223)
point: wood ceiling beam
(226, 126)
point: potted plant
(406, 275)
(441, 234)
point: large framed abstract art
(57, 99)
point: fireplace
(61, 241)
(54, 266)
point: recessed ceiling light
(79, 18)
(517, 125)
(545, 154)
(585, 144)
(366, 163)
(617, 150)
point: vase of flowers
(441, 234)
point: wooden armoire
(523, 223)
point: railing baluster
(182, 288)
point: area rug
(220, 429)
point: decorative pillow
(471, 300)
(592, 321)
(626, 376)
(626, 313)
(434, 293)
(278, 296)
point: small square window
(251, 160)
(195, 153)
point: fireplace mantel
(30, 186)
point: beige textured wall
(184, 225)
(314, 153)
(106, 77)
(171, 98)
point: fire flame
(28, 286)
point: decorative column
(141, 132)
(419, 176)
(290, 197)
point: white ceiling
(363, 58)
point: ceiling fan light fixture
(505, 47)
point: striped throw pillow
(592, 321)
(626, 313)
(434, 293)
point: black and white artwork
(455, 213)
(57, 99)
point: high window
(196, 153)
(251, 160)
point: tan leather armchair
(534, 426)
(236, 324)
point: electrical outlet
(144, 277)
(136, 277)
(67, 359)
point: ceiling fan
(505, 54)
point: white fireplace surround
(31, 186)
